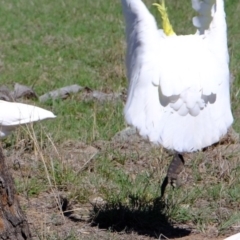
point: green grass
(52, 44)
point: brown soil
(46, 219)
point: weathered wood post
(13, 223)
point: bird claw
(174, 169)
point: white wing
(211, 23)
(206, 10)
(233, 237)
(14, 114)
(178, 92)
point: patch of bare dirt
(51, 213)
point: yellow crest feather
(167, 27)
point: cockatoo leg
(174, 169)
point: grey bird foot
(174, 169)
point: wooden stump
(13, 223)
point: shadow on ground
(145, 219)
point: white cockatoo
(178, 91)
(14, 114)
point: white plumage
(178, 94)
(13, 114)
(233, 237)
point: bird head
(167, 27)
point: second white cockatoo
(13, 114)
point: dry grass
(75, 181)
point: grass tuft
(52, 44)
